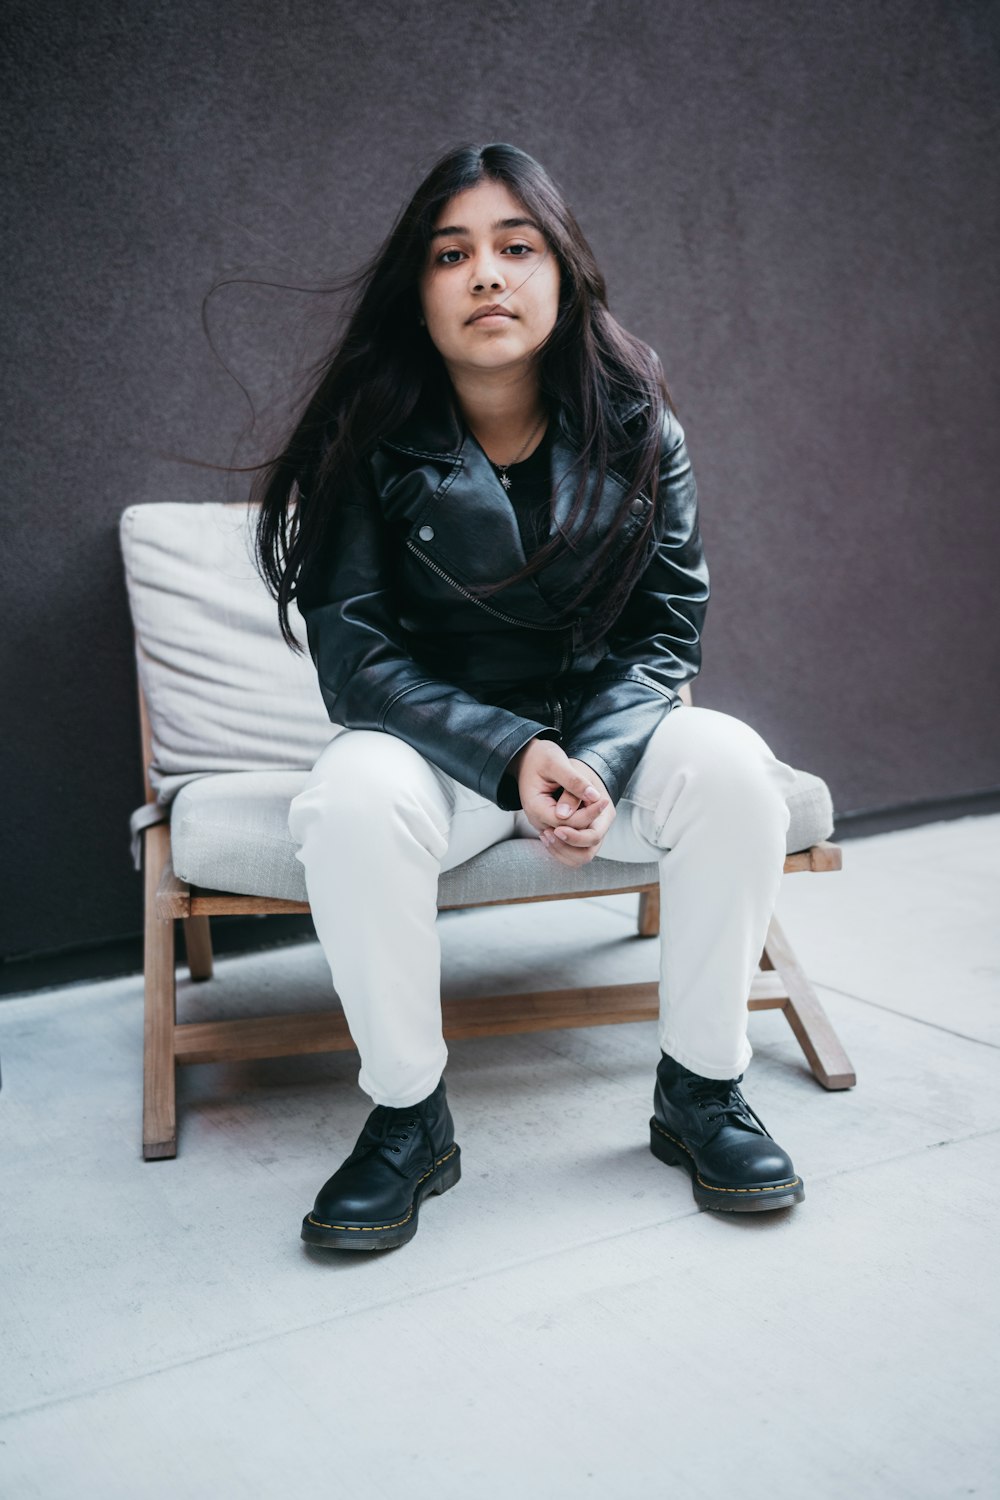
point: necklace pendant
(504, 478)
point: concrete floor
(566, 1322)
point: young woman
(487, 516)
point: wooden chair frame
(780, 984)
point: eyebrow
(458, 229)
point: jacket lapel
(474, 535)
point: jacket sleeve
(370, 680)
(655, 644)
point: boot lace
(723, 1098)
(388, 1125)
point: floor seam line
(904, 1016)
(888, 1161)
(270, 1337)
(369, 1307)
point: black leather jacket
(400, 646)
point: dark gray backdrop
(794, 203)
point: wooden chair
(779, 984)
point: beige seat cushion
(237, 721)
(230, 833)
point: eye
(452, 257)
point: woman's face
(488, 252)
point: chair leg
(806, 1016)
(649, 912)
(159, 1101)
(198, 943)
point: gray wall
(795, 204)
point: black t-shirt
(530, 492)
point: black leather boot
(707, 1127)
(402, 1155)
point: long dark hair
(384, 362)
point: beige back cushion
(223, 690)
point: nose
(486, 271)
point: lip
(490, 314)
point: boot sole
(739, 1200)
(360, 1236)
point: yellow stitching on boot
(361, 1228)
(371, 1228)
(781, 1187)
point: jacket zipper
(508, 619)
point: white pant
(377, 823)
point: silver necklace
(501, 469)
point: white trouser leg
(708, 801)
(376, 824)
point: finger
(569, 802)
(572, 785)
(577, 838)
(587, 813)
(541, 810)
(549, 791)
(579, 784)
(557, 849)
(566, 805)
(564, 855)
(592, 802)
(598, 827)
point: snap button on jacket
(401, 645)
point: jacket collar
(434, 429)
(469, 537)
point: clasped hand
(564, 800)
